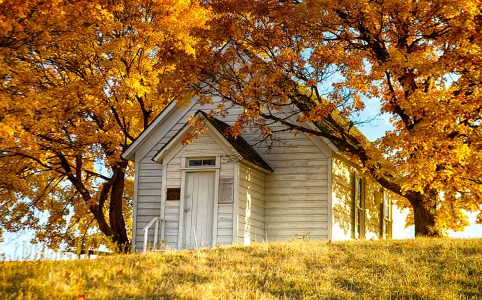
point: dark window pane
(195, 162)
(201, 162)
(173, 194)
(209, 162)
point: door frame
(184, 171)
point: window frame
(204, 162)
(386, 215)
(358, 206)
(186, 160)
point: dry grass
(422, 268)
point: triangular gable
(169, 110)
(158, 121)
(238, 144)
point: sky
(17, 246)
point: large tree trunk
(116, 217)
(424, 211)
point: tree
(79, 80)
(326, 59)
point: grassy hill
(422, 268)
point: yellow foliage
(78, 81)
(420, 59)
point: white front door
(198, 210)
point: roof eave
(129, 153)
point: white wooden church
(219, 190)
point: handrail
(155, 221)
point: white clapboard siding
(343, 181)
(254, 192)
(342, 197)
(282, 196)
(299, 203)
(225, 223)
(171, 216)
(149, 182)
(205, 145)
(149, 185)
(251, 212)
(149, 178)
(373, 209)
(289, 166)
(296, 193)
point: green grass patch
(409, 269)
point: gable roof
(170, 109)
(131, 149)
(240, 145)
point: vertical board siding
(251, 205)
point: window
(358, 215)
(386, 221)
(201, 162)
(173, 194)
